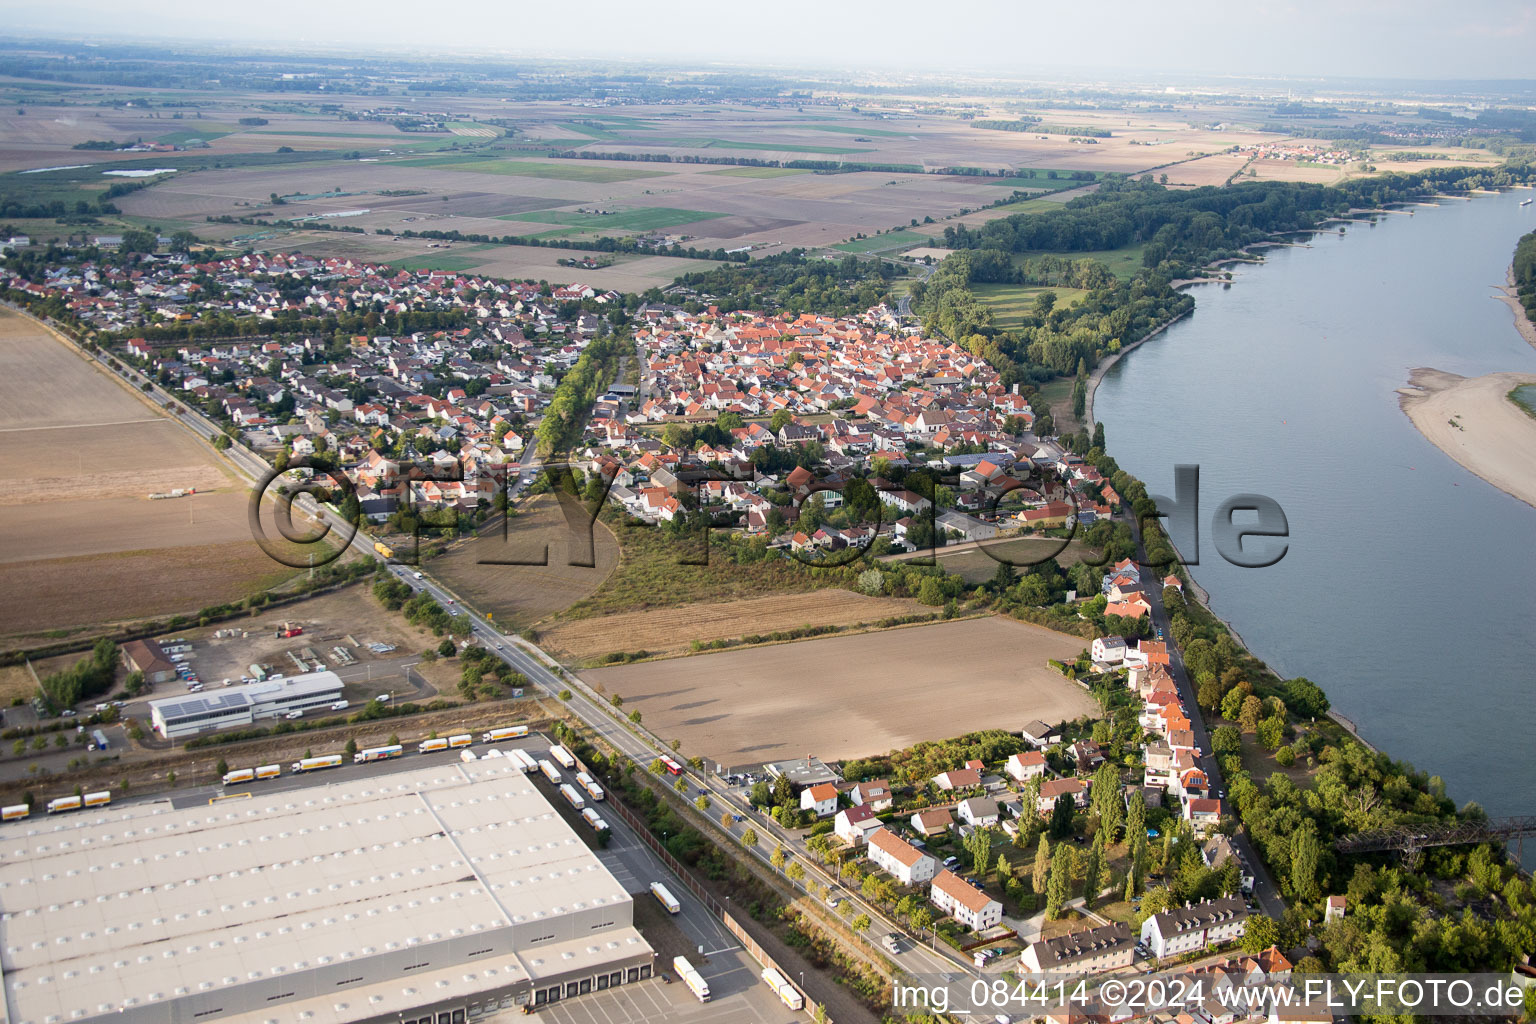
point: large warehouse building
(429, 896)
(174, 717)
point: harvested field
(875, 691)
(55, 593)
(518, 595)
(672, 631)
(1295, 170)
(81, 454)
(1207, 170)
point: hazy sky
(1369, 38)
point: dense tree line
(1525, 273)
(578, 389)
(795, 284)
(604, 244)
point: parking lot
(737, 994)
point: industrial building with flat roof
(174, 717)
(428, 895)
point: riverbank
(1473, 420)
(1104, 365)
(1511, 298)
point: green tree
(1058, 889)
(860, 923)
(1042, 863)
(1232, 704)
(749, 837)
(921, 919)
(1306, 856)
(979, 845)
(351, 747)
(222, 768)
(1106, 798)
(1248, 717)
(1061, 816)
(1272, 732)
(1260, 933)
(447, 648)
(1225, 739)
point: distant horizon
(1489, 41)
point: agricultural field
(519, 595)
(673, 631)
(85, 545)
(890, 689)
(1296, 170)
(472, 176)
(613, 222)
(887, 242)
(1207, 170)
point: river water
(1408, 591)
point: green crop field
(1011, 303)
(456, 261)
(570, 170)
(340, 136)
(590, 131)
(759, 172)
(882, 243)
(845, 130)
(1123, 263)
(1023, 206)
(644, 219)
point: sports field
(852, 696)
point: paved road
(1264, 888)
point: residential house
(875, 794)
(854, 824)
(1335, 910)
(1087, 754)
(978, 811)
(1194, 927)
(1050, 790)
(1108, 650)
(1089, 951)
(900, 859)
(146, 656)
(820, 800)
(1039, 735)
(1024, 766)
(1203, 814)
(964, 902)
(959, 778)
(1216, 851)
(932, 822)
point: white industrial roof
(124, 907)
(288, 688)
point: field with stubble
(672, 631)
(84, 544)
(852, 696)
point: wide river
(1409, 588)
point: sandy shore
(1472, 421)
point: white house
(958, 778)
(1025, 766)
(965, 903)
(854, 824)
(899, 858)
(1108, 650)
(875, 794)
(819, 800)
(1193, 927)
(1039, 735)
(1049, 791)
(979, 811)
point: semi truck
(590, 817)
(559, 753)
(310, 764)
(65, 803)
(550, 772)
(383, 549)
(15, 812)
(692, 978)
(268, 771)
(378, 753)
(512, 732)
(239, 775)
(524, 759)
(462, 740)
(786, 992)
(428, 746)
(665, 898)
(100, 799)
(572, 797)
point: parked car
(950, 862)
